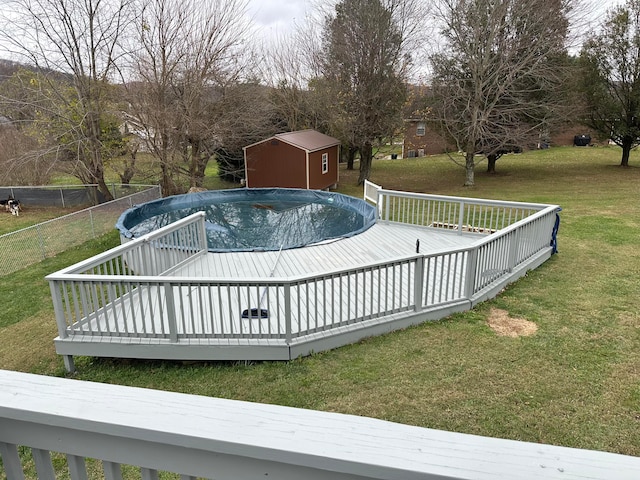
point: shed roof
(309, 140)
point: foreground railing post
(418, 284)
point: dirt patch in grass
(500, 322)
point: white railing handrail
(198, 436)
(82, 277)
(469, 200)
(516, 225)
(125, 247)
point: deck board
(379, 243)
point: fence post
(62, 197)
(418, 283)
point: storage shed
(302, 159)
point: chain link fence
(67, 195)
(33, 244)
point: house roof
(308, 140)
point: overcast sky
(277, 17)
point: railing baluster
(44, 467)
(11, 461)
(171, 311)
(112, 471)
(77, 467)
(148, 474)
(287, 312)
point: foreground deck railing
(60, 428)
(134, 291)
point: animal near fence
(35, 243)
(60, 428)
(141, 299)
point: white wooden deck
(381, 242)
(160, 297)
(204, 321)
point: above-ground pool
(248, 219)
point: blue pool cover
(248, 219)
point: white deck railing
(134, 291)
(59, 428)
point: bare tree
(288, 73)
(80, 38)
(191, 53)
(16, 167)
(364, 65)
(611, 78)
(498, 80)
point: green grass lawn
(576, 382)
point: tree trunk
(469, 169)
(167, 184)
(491, 163)
(96, 165)
(129, 167)
(626, 151)
(198, 165)
(366, 157)
(351, 156)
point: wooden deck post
(461, 218)
(69, 366)
(513, 250)
(287, 312)
(171, 312)
(470, 274)
(418, 283)
(58, 308)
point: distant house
(419, 136)
(302, 159)
(420, 140)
